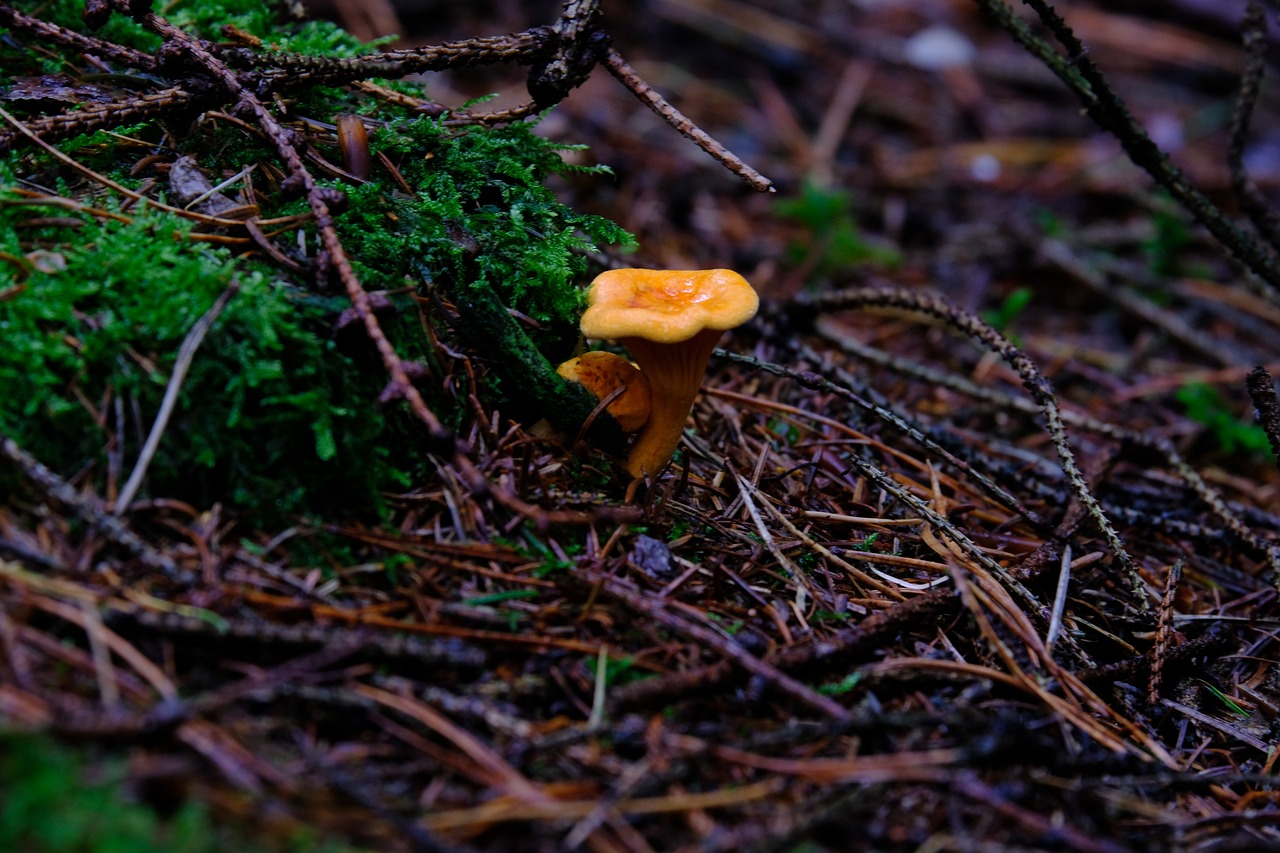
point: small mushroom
(669, 320)
(603, 373)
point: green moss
(280, 411)
(56, 798)
(487, 184)
(274, 408)
(1003, 316)
(1170, 235)
(834, 242)
(1206, 405)
(841, 687)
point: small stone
(938, 48)
(653, 556)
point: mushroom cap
(666, 306)
(602, 373)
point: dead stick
(658, 610)
(186, 354)
(1256, 42)
(87, 508)
(627, 76)
(319, 200)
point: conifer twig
(884, 414)
(86, 507)
(1083, 77)
(12, 18)
(1032, 379)
(320, 200)
(1254, 34)
(1262, 391)
(627, 76)
(561, 57)
(1164, 632)
(1157, 444)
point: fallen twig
(186, 354)
(1033, 381)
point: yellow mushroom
(602, 373)
(669, 320)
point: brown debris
(848, 616)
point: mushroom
(603, 373)
(669, 320)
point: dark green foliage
(279, 413)
(271, 409)
(44, 805)
(835, 242)
(56, 799)
(1170, 236)
(1001, 317)
(487, 187)
(841, 687)
(1207, 406)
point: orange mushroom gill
(603, 373)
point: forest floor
(870, 606)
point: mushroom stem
(675, 372)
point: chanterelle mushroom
(669, 320)
(602, 373)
